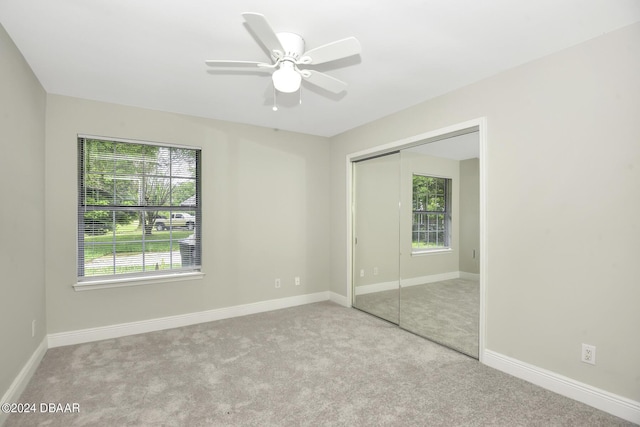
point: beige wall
(22, 298)
(563, 180)
(469, 216)
(265, 214)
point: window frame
(447, 212)
(146, 276)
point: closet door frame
(476, 125)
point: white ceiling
(150, 53)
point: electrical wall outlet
(362, 273)
(297, 280)
(33, 328)
(589, 354)
(375, 271)
(278, 283)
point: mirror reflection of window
(431, 228)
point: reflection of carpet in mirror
(382, 304)
(446, 312)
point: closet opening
(417, 234)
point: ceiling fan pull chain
(300, 94)
(275, 103)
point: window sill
(432, 252)
(136, 281)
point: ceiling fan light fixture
(286, 79)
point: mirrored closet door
(376, 236)
(416, 240)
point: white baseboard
(376, 287)
(170, 322)
(339, 299)
(22, 379)
(414, 281)
(469, 276)
(605, 401)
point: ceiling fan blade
(261, 28)
(225, 63)
(324, 81)
(332, 51)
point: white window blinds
(138, 209)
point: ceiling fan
(288, 55)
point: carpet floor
(313, 365)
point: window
(138, 209)
(431, 213)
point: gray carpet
(314, 365)
(446, 312)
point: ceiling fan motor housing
(293, 45)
